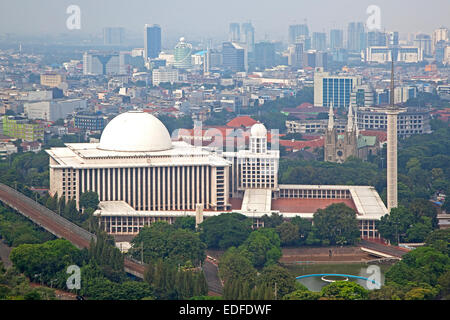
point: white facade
(164, 74)
(384, 54)
(53, 110)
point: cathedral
(339, 146)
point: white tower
(392, 112)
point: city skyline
(199, 19)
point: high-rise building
(297, 30)
(234, 32)
(319, 41)
(334, 90)
(164, 75)
(248, 36)
(295, 57)
(393, 39)
(336, 39)
(441, 34)
(152, 41)
(439, 50)
(264, 55)
(376, 39)
(183, 55)
(356, 36)
(423, 42)
(401, 54)
(233, 57)
(113, 36)
(101, 64)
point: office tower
(233, 57)
(321, 60)
(183, 55)
(334, 89)
(441, 34)
(297, 30)
(356, 37)
(439, 51)
(264, 55)
(152, 41)
(393, 38)
(336, 39)
(101, 64)
(423, 42)
(309, 59)
(376, 39)
(319, 41)
(113, 36)
(234, 33)
(295, 58)
(248, 36)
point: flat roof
(87, 155)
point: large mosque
(142, 176)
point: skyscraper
(423, 41)
(297, 30)
(356, 37)
(152, 39)
(376, 39)
(295, 58)
(113, 36)
(336, 39)
(235, 32)
(265, 55)
(183, 55)
(248, 36)
(319, 41)
(440, 34)
(233, 57)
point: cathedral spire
(356, 122)
(350, 119)
(331, 117)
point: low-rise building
(22, 128)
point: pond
(355, 269)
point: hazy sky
(210, 18)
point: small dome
(258, 130)
(135, 131)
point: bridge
(337, 275)
(57, 225)
(81, 238)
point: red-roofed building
(242, 121)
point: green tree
(164, 241)
(337, 224)
(234, 266)
(344, 290)
(277, 278)
(89, 199)
(225, 230)
(185, 223)
(262, 247)
(289, 233)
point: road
(57, 225)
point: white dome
(135, 131)
(258, 130)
